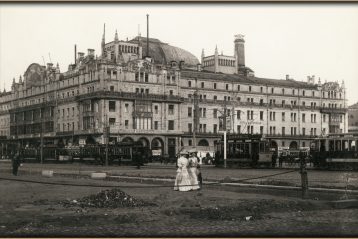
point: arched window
(203, 142)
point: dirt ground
(33, 209)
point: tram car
(335, 151)
(123, 153)
(245, 150)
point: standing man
(15, 163)
(274, 159)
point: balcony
(289, 136)
(142, 114)
(333, 110)
(114, 130)
(129, 95)
(202, 134)
(32, 107)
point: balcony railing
(129, 95)
(298, 136)
(333, 110)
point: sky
(296, 39)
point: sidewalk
(277, 177)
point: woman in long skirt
(193, 171)
(182, 181)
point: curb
(331, 190)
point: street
(39, 209)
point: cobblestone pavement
(328, 179)
(29, 209)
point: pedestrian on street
(16, 161)
(182, 180)
(198, 169)
(137, 159)
(280, 160)
(274, 159)
(193, 171)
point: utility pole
(41, 138)
(224, 126)
(196, 116)
(107, 139)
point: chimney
(90, 52)
(81, 55)
(181, 64)
(287, 77)
(240, 49)
(199, 67)
(75, 53)
(147, 35)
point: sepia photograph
(178, 119)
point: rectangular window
(283, 132)
(215, 113)
(303, 117)
(126, 124)
(261, 89)
(238, 87)
(204, 112)
(238, 114)
(283, 116)
(156, 109)
(136, 76)
(261, 115)
(202, 84)
(112, 121)
(303, 131)
(215, 128)
(238, 129)
(261, 130)
(189, 83)
(190, 127)
(248, 114)
(126, 108)
(227, 86)
(146, 77)
(171, 109)
(214, 85)
(250, 88)
(112, 106)
(170, 124)
(324, 118)
(155, 124)
(190, 111)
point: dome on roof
(163, 53)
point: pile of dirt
(113, 198)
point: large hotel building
(149, 91)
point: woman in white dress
(193, 171)
(182, 181)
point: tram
(119, 153)
(244, 150)
(335, 151)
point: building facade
(149, 91)
(353, 118)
